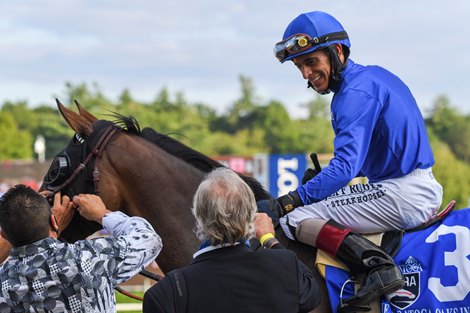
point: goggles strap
(336, 65)
(329, 37)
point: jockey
(380, 134)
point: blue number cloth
(436, 265)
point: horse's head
(74, 169)
(143, 173)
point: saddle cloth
(434, 262)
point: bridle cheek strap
(98, 153)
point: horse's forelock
(129, 123)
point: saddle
(389, 241)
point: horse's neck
(151, 175)
(141, 179)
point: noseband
(96, 153)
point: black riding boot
(364, 259)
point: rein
(145, 273)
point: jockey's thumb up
(90, 207)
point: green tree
(15, 143)
(452, 174)
(24, 116)
(315, 136)
(249, 126)
(280, 135)
(125, 101)
(318, 108)
(245, 105)
(242, 113)
(52, 126)
(162, 101)
(315, 132)
(91, 98)
(451, 127)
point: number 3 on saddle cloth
(435, 261)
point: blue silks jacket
(380, 132)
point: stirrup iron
(345, 307)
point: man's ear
(338, 48)
(340, 52)
(54, 224)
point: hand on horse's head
(90, 207)
(62, 209)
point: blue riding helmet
(309, 32)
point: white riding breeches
(392, 204)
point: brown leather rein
(96, 154)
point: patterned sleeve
(132, 246)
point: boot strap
(331, 236)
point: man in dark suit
(226, 275)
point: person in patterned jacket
(44, 274)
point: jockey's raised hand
(312, 172)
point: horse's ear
(78, 123)
(84, 113)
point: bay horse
(148, 174)
(142, 173)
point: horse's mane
(183, 152)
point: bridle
(96, 154)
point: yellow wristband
(265, 237)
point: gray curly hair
(224, 207)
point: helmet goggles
(299, 43)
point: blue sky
(201, 47)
